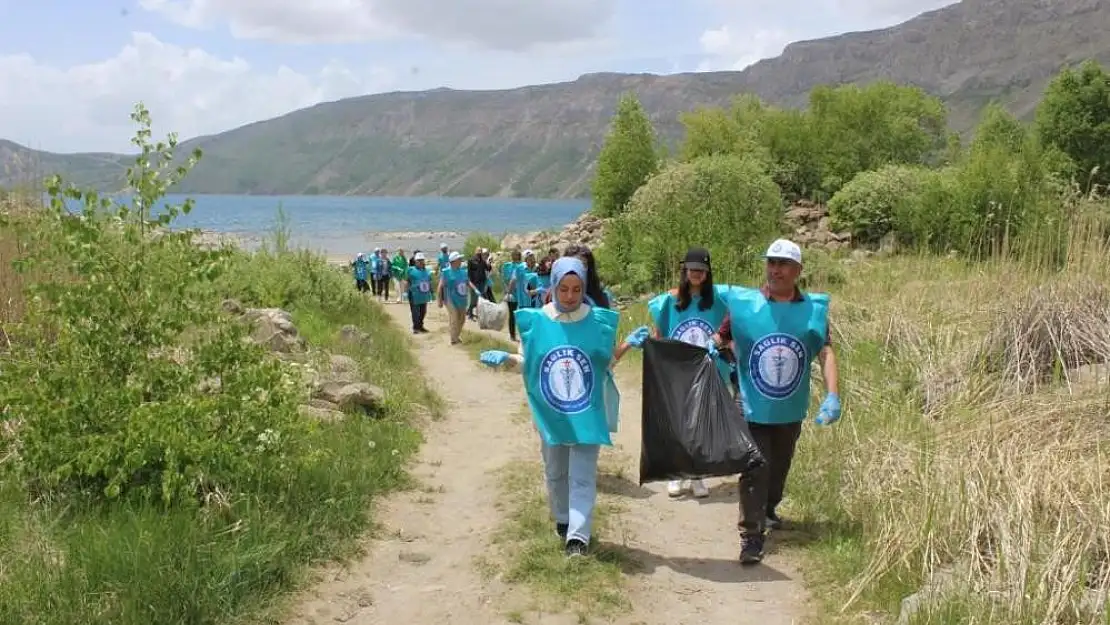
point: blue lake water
(346, 225)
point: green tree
(627, 159)
(999, 129)
(863, 128)
(728, 204)
(1074, 117)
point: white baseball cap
(785, 250)
(454, 256)
(418, 256)
(442, 246)
(529, 253)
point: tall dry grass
(972, 459)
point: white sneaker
(675, 488)
(699, 488)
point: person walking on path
(418, 285)
(454, 294)
(566, 347)
(381, 274)
(375, 285)
(507, 271)
(360, 265)
(399, 267)
(520, 286)
(690, 313)
(595, 294)
(477, 269)
(777, 332)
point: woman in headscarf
(565, 352)
(596, 295)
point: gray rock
(274, 328)
(352, 335)
(323, 415)
(232, 306)
(343, 366)
(323, 404)
(351, 395)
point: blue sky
(71, 71)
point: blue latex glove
(493, 357)
(830, 410)
(744, 404)
(712, 349)
(637, 337)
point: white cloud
(86, 107)
(729, 48)
(513, 25)
(751, 30)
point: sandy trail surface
(420, 567)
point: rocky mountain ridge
(541, 141)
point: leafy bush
(475, 240)
(105, 384)
(727, 204)
(867, 205)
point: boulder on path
(274, 328)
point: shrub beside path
(421, 566)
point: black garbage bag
(691, 425)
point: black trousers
(512, 319)
(418, 311)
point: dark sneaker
(774, 521)
(751, 549)
(576, 548)
(561, 530)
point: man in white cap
(777, 331)
(454, 294)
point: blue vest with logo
(525, 279)
(420, 286)
(775, 344)
(693, 325)
(456, 284)
(566, 373)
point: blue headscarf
(559, 270)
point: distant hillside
(541, 141)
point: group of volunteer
(762, 340)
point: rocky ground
(333, 382)
(808, 221)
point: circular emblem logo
(567, 379)
(460, 288)
(425, 287)
(776, 364)
(694, 331)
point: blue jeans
(571, 475)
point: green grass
(527, 551)
(68, 560)
(477, 341)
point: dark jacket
(477, 271)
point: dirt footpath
(421, 567)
